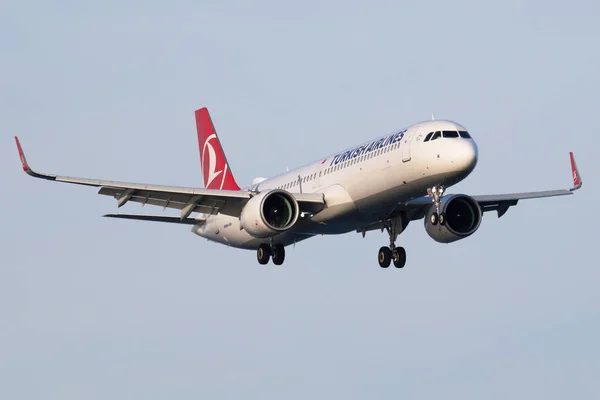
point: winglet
(26, 166)
(22, 157)
(577, 181)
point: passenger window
(428, 137)
(436, 135)
(450, 134)
(464, 134)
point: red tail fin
(215, 169)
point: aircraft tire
(263, 253)
(384, 257)
(442, 219)
(278, 254)
(434, 218)
(399, 257)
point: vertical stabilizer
(215, 169)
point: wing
(188, 200)
(416, 209)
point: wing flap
(158, 218)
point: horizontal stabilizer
(158, 218)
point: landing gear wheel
(437, 192)
(442, 219)
(399, 257)
(263, 253)
(278, 254)
(384, 257)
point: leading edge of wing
(499, 202)
(127, 185)
(577, 183)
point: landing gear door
(405, 144)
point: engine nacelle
(462, 219)
(269, 213)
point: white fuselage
(361, 185)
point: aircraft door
(317, 180)
(405, 145)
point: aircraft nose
(465, 155)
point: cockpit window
(437, 135)
(464, 134)
(428, 137)
(450, 134)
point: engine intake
(462, 219)
(269, 213)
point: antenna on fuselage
(432, 117)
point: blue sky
(100, 308)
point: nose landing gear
(436, 218)
(266, 252)
(392, 253)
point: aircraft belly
(226, 230)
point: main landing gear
(436, 218)
(392, 253)
(266, 251)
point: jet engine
(269, 213)
(460, 217)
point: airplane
(382, 184)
